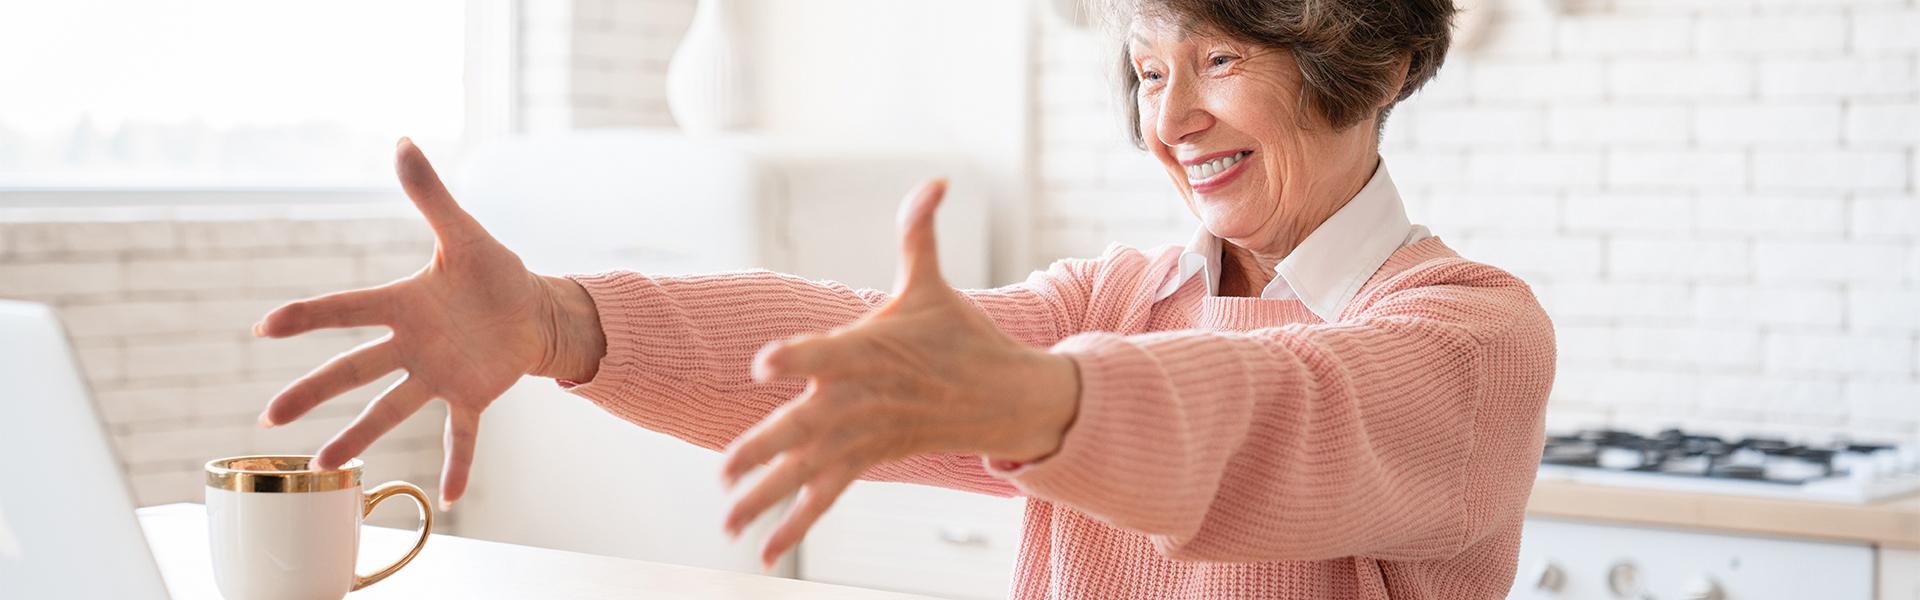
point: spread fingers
(463, 427)
(786, 477)
(814, 501)
(804, 356)
(380, 417)
(452, 226)
(357, 308)
(779, 432)
(355, 368)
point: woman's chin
(1228, 225)
(1232, 217)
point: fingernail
(260, 329)
(403, 141)
(446, 505)
(264, 422)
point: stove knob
(1547, 576)
(1624, 580)
(1703, 588)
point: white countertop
(1894, 523)
(456, 567)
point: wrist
(1053, 405)
(574, 341)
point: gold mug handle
(389, 490)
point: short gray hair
(1349, 51)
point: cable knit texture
(1224, 447)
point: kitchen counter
(1894, 523)
(456, 567)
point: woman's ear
(1400, 68)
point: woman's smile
(1213, 172)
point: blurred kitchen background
(1716, 201)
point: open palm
(464, 328)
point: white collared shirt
(1328, 268)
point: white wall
(597, 63)
(159, 302)
(832, 78)
(1715, 199)
(1093, 186)
(897, 76)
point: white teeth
(1213, 167)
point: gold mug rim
(222, 475)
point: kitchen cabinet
(917, 539)
(1841, 548)
(1575, 560)
(1899, 574)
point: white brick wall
(598, 63)
(160, 311)
(1716, 199)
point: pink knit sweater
(1224, 448)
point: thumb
(919, 252)
(450, 223)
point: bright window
(224, 93)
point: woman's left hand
(926, 373)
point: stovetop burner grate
(1673, 459)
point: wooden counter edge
(1892, 524)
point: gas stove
(1838, 471)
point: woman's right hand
(464, 328)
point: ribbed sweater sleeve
(679, 350)
(1305, 442)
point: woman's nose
(1181, 112)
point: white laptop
(67, 526)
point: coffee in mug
(281, 531)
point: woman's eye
(1221, 60)
(1149, 76)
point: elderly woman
(1313, 399)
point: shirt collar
(1326, 271)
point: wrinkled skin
(1203, 95)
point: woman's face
(1223, 117)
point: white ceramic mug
(281, 531)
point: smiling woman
(223, 93)
(1315, 398)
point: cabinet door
(1899, 574)
(555, 471)
(916, 539)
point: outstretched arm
(926, 374)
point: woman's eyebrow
(1138, 39)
